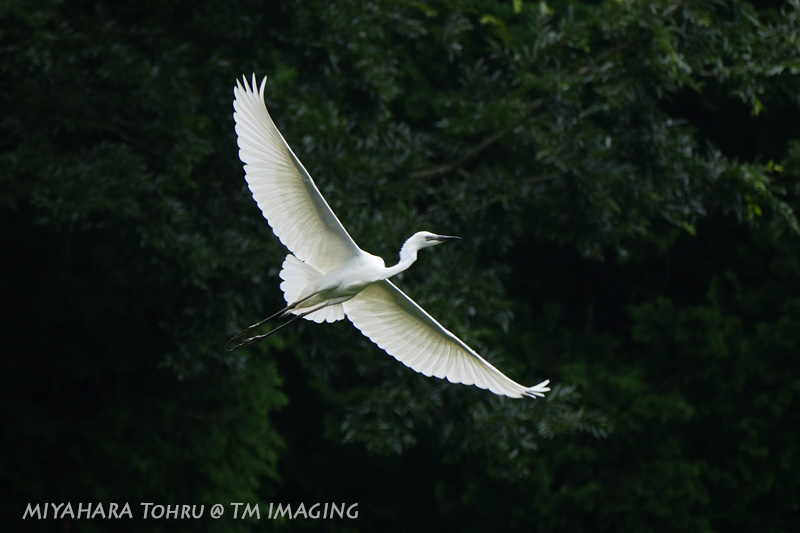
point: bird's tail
(297, 276)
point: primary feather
(287, 196)
(403, 329)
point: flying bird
(327, 276)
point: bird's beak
(442, 238)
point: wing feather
(394, 322)
(284, 191)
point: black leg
(257, 325)
(281, 313)
(259, 338)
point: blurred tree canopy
(625, 175)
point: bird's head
(424, 239)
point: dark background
(624, 176)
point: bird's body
(327, 276)
(342, 283)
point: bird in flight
(327, 276)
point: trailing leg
(283, 312)
(258, 338)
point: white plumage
(327, 276)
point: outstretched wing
(397, 324)
(287, 196)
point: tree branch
(477, 149)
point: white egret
(327, 276)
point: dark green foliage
(625, 177)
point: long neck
(408, 254)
